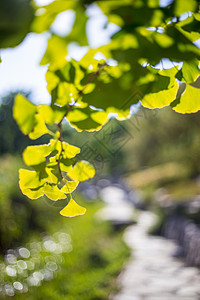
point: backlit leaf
(29, 179)
(69, 151)
(56, 52)
(188, 102)
(24, 113)
(51, 114)
(82, 171)
(39, 128)
(69, 186)
(72, 209)
(190, 71)
(182, 6)
(160, 99)
(35, 155)
(30, 184)
(53, 192)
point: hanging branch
(70, 108)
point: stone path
(152, 272)
(117, 208)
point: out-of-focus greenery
(11, 138)
(15, 21)
(164, 152)
(88, 271)
(20, 216)
(163, 136)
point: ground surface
(152, 272)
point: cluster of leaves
(56, 172)
(85, 92)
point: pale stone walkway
(152, 272)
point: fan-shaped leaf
(72, 209)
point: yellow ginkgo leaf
(69, 186)
(82, 171)
(72, 209)
(53, 192)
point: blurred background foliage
(156, 151)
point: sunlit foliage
(152, 58)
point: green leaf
(78, 33)
(139, 16)
(15, 21)
(39, 128)
(53, 192)
(69, 186)
(160, 99)
(24, 114)
(66, 164)
(182, 6)
(190, 71)
(87, 119)
(51, 114)
(114, 95)
(82, 171)
(162, 91)
(67, 73)
(72, 209)
(56, 52)
(53, 174)
(35, 155)
(181, 50)
(190, 27)
(43, 21)
(69, 151)
(188, 102)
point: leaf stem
(70, 107)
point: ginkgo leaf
(188, 102)
(189, 72)
(29, 179)
(33, 193)
(24, 113)
(66, 164)
(56, 52)
(82, 171)
(69, 186)
(69, 151)
(35, 155)
(43, 21)
(51, 114)
(30, 184)
(182, 6)
(39, 128)
(53, 174)
(87, 119)
(53, 192)
(72, 209)
(160, 99)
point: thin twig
(70, 107)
